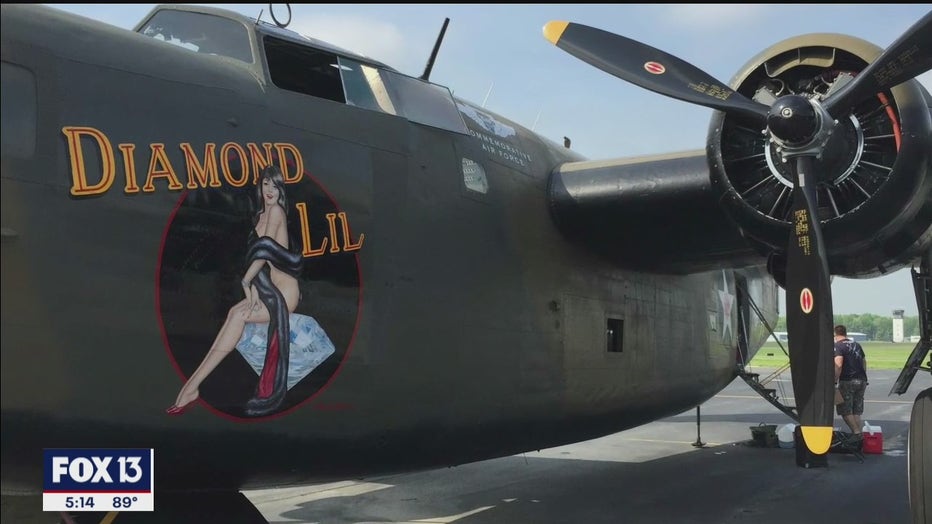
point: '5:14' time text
(79, 502)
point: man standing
(850, 379)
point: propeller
(650, 68)
(906, 58)
(802, 128)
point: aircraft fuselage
(442, 324)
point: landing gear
(919, 455)
(182, 508)
(922, 283)
(919, 452)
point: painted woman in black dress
(271, 295)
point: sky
(496, 55)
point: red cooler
(873, 439)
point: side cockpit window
(427, 103)
(366, 87)
(324, 74)
(201, 33)
(304, 69)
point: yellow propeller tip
(554, 30)
(818, 438)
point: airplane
(276, 262)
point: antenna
(489, 92)
(433, 54)
(537, 119)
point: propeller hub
(793, 121)
(839, 158)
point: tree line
(876, 327)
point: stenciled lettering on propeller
(715, 91)
(801, 230)
(258, 284)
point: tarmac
(650, 474)
(655, 473)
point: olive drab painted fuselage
(436, 312)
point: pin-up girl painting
(280, 345)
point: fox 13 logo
(98, 480)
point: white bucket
(785, 435)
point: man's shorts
(853, 393)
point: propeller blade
(650, 68)
(809, 314)
(905, 59)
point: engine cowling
(874, 178)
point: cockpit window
(324, 74)
(201, 33)
(304, 69)
(426, 103)
(391, 92)
(365, 86)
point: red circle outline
(171, 356)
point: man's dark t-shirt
(853, 365)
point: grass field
(880, 355)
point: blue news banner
(98, 480)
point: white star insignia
(727, 302)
